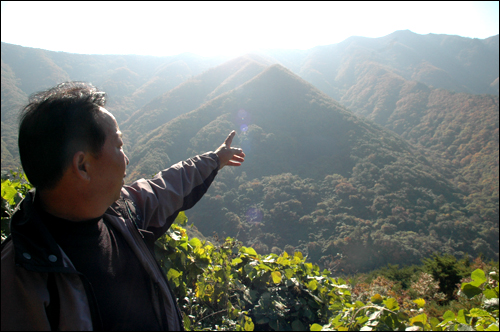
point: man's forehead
(111, 121)
(108, 113)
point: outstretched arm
(179, 187)
(230, 156)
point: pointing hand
(230, 156)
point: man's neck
(67, 205)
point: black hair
(55, 125)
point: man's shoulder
(125, 208)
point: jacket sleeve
(178, 188)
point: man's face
(110, 167)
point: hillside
(190, 95)
(130, 81)
(442, 61)
(316, 178)
(458, 131)
(389, 170)
(340, 70)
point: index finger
(229, 138)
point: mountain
(403, 161)
(191, 94)
(399, 82)
(130, 81)
(316, 178)
(442, 61)
(341, 70)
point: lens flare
(242, 119)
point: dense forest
(359, 154)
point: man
(80, 252)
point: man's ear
(81, 165)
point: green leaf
(420, 302)
(461, 317)
(298, 254)
(362, 320)
(276, 277)
(172, 273)
(419, 319)
(316, 327)
(377, 298)
(478, 278)
(359, 304)
(448, 316)
(492, 327)
(402, 316)
(249, 326)
(173, 276)
(187, 321)
(391, 303)
(288, 273)
(181, 219)
(476, 312)
(312, 285)
(8, 191)
(490, 294)
(470, 290)
(248, 251)
(194, 242)
(236, 261)
(248, 268)
(434, 324)
(263, 266)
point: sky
(230, 28)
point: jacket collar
(35, 248)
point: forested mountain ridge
(458, 131)
(134, 81)
(316, 178)
(130, 81)
(191, 94)
(443, 61)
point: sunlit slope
(283, 123)
(316, 177)
(190, 95)
(459, 131)
(319, 177)
(12, 101)
(450, 62)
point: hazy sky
(229, 28)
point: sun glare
(229, 28)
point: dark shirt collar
(35, 247)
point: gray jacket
(41, 289)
